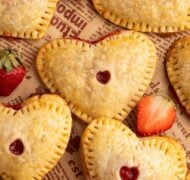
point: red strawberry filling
(127, 173)
(16, 147)
(103, 76)
(15, 107)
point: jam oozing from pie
(127, 173)
(103, 76)
(15, 107)
(16, 147)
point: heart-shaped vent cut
(106, 78)
(110, 150)
(33, 138)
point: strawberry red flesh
(155, 114)
(12, 71)
(9, 81)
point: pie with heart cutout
(33, 138)
(178, 70)
(110, 150)
(146, 16)
(104, 78)
(25, 18)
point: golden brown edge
(171, 71)
(87, 138)
(179, 146)
(166, 144)
(39, 31)
(33, 103)
(116, 19)
(172, 148)
(188, 176)
(40, 65)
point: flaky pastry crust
(147, 16)
(43, 126)
(107, 145)
(25, 18)
(69, 67)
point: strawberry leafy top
(10, 59)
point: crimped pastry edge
(33, 103)
(116, 19)
(172, 73)
(164, 143)
(90, 131)
(148, 75)
(39, 31)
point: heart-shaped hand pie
(101, 79)
(33, 138)
(25, 19)
(110, 150)
(178, 63)
(147, 16)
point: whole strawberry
(12, 71)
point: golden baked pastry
(110, 150)
(25, 18)
(146, 15)
(178, 69)
(105, 78)
(33, 138)
(188, 176)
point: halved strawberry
(155, 114)
(12, 71)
